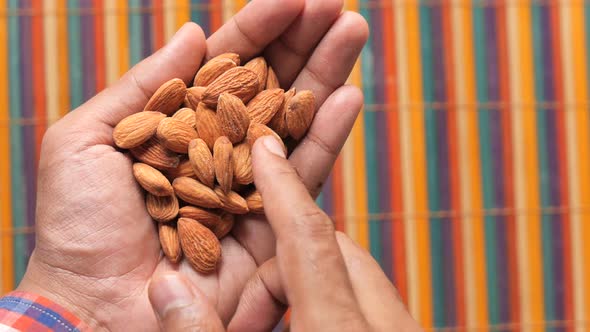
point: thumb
(180, 306)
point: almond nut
(212, 70)
(207, 125)
(184, 169)
(170, 242)
(258, 65)
(232, 56)
(161, 208)
(233, 117)
(199, 245)
(257, 130)
(155, 154)
(206, 217)
(186, 115)
(272, 81)
(193, 96)
(254, 201)
(196, 193)
(242, 161)
(232, 202)
(279, 121)
(225, 226)
(239, 81)
(201, 161)
(265, 105)
(152, 180)
(176, 134)
(168, 98)
(300, 113)
(136, 129)
(222, 162)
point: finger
(262, 303)
(333, 59)
(290, 51)
(181, 307)
(327, 135)
(180, 58)
(254, 27)
(310, 262)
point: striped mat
(467, 175)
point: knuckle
(311, 222)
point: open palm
(97, 247)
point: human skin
(96, 246)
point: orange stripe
(216, 15)
(158, 22)
(99, 45)
(7, 282)
(38, 66)
(63, 62)
(453, 166)
(419, 167)
(508, 164)
(182, 12)
(123, 36)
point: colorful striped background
(467, 175)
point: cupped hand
(330, 283)
(96, 246)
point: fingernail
(169, 292)
(273, 146)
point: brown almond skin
(232, 202)
(225, 226)
(136, 129)
(272, 81)
(199, 245)
(233, 117)
(186, 115)
(207, 125)
(206, 217)
(162, 208)
(258, 65)
(155, 154)
(170, 242)
(176, 134)
(222, 162)
(254, 201)
(212, 70)
(201, 161)
(300, 113)
(278, 123)
(242, 162)
(184, 169)
(257, 130)
(168, 98)
(239, 81)
(265, 105)
(152, 180)
(193, 96)
(196, 193)
(232, 56)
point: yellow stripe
(123, 33)
(470, 181)
(575, 85)
(241, 3)
(63, 58)
(169, 19)
(182, 12)
(51, 61)
(111, 40)
(7, 268)
(228, 9)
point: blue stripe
(37, 312)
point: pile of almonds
(192, 151)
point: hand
(97, 247)
(330, 283)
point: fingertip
(354, 95)
(357, 26)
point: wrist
(62, 289)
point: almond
(186, 115)
(257, 130)
(272, 81)
(265, 105)
(168, 98)
(176, 134)
(201, 162)
(170, 242)
(184, 169)
(232, 56)
(155, 154)
(233, 118)
(193, 96)
(242, 162)
(162, 208)
(206, 217)
(258, 66)
(136, 129)
(207, 125)
(279, 122)
(196, 193)
(199, 245)
(300, 113)
(222, 162)
(232, 202)
(212, 70)
(254, 201)
(152, 180)
(225, 226)
(239, 81)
